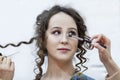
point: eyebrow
(73, 29)
(61, 28)
(56, 28)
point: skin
(6, 68)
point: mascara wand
(86, 39)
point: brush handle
(103, 45)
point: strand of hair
(17, 45)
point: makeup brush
(86, 39)
(10, 54)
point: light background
(17, 19)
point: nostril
(64, 40)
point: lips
(63, 50)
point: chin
(65, 59)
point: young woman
(55, 29)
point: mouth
(63, 50)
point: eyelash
(57, 32)
(72, 33)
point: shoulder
(81, 77)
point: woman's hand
(104, 53)
(6, 68)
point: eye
(56, 32)
(72, 33)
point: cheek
(51, 41)
(75, 45)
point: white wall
(17, 18)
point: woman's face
(58, 43)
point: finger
(99, 47)
(4, 60)
(8, 61)
(94, 37)
(97, 37)
(101, 39)
(1, 58)
(12, 66)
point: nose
(64, 39)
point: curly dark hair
(42, 21)
(42, 26)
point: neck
(59, 69)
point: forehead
(63, 20)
